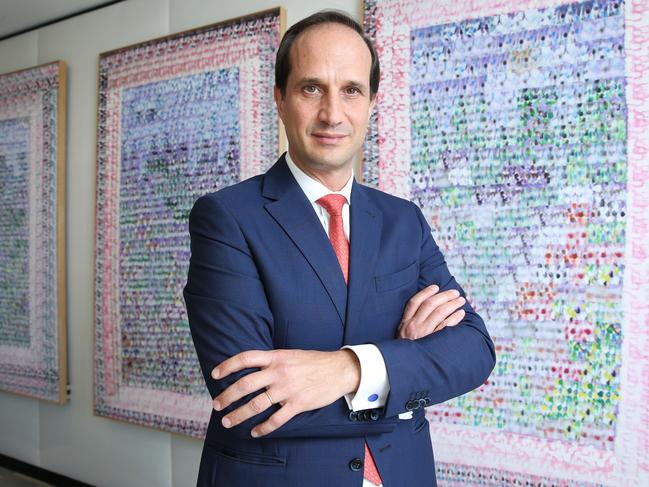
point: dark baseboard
(39, 473)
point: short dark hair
(283, 62)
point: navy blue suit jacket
(263, 275)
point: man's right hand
(429, 311)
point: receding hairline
(331, 25)
(331, 16)
(334, 26)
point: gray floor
(9, 478)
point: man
(296, 292)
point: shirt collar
(313, 189)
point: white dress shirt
(374, 386)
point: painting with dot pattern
(520, 128)
(179, 117)
(33, 351)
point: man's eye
(352, 90)
(310, 89)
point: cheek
(360, 125)
(359, 116)
(300, 117)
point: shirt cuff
(374, 386)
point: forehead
(330, 47)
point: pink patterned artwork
(520, 129)
(32, 241)
(178, 117)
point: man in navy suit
(322, 311)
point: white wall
(69, 439)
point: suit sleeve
(229, 313)
(443, 365)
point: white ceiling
(18, 15)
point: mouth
(328, 138)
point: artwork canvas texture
(519, 128)
(32, 210)
(179, 117)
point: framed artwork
(33, 360)
(519, 128)
(179, 117)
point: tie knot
(333, 203)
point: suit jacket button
(410, 405)
(356, 464)
(353, 416)
(427, 401)
(367, 414)
(374, 415)
(422, 403)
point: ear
(279, 102)
(372, 105)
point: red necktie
(334, 203)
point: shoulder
(398, 211)
(387, 202)
(219, 214)
(234, 198)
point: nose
(331, 112)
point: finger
(256, 405)
(409, 330)
(439, 314)
(243, 360)
(431, 323)
(402, 332)
(247, 384)
(453, 320)
(434, 302)
(415, 301)
(277, 420)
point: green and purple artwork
(519, 128)
(179, 117)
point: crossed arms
(232, 332)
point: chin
(332, 157)
(332, 162)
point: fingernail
(217, 405)
(226, 422)
(456, 292)
(254, 434)
(215, 374)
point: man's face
(327, 104)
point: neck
(334, 178)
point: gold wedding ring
(269, 398)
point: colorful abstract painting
(179, 117)
(520, 129)
(33, 359)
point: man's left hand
(297, 380)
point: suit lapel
(365, 234)
(294, 213)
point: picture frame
(178, 117)
(33, 340)
(519, 129)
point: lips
(328, 138)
